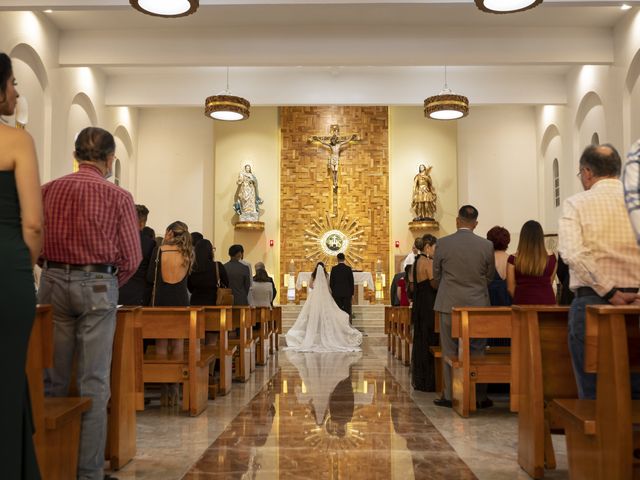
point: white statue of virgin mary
(247, 200)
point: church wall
(414, 140)
(254, 141)
(497, 167)
(175, 145)
(50, 90)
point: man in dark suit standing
(341, 284)
(137, 291)
(239, 275)
(463, 267)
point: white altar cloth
(358, 278)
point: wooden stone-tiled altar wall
(363, 180)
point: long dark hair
(204, 256)
(6, 70)
(319, 264)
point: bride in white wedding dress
(321, 325)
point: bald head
(602, 160)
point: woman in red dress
(530, 272)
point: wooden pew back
(476, 323)
(541, 371)
(190, 369)
(612, 346)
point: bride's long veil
(321, 325)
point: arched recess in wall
(633, 89)
(551, 149)
(590, 120)
(82, 114)
(33, 85)
(124, 152)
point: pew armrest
(61, 410)
(574, 410)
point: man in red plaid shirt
(91, 246)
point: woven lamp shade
(446, 106)
(226, 107)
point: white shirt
(596, 240)
(260, 294)
(409, 260)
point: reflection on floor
(329, 416)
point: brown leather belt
(590, 292)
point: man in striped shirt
(597, 242)
(91, 246)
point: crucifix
(335, 143)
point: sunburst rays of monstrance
(329, 235)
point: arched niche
(595, 139)
(590, 118)
(81, 114)
(33, 86)
(124, 152)
(554, 174)
(633, 88)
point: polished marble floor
(329, 416)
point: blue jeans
(587, 381)
(84, 316)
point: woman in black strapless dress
(20, 243)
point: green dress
(18, 303)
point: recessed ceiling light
(166, 8)
(48, 11)
(506, 6)
(624, 6)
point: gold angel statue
(424, 195)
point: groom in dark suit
(341, 284)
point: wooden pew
(388, 314)
(276, 321)
(219, 320)
(600, 433)
(121, 429)
(241, 318)
(252, 338)
(466, 371)
(541, 371)
(190, 369)
(437, 355)
(405, 339)
(57, 421)
(262, 316)
(396, 328)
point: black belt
(590, 292)
(97, 268)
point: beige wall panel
(363, 182)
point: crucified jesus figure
(335, 143)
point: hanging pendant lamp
(446, 105)
(166, 8)
(227, 107)
(506, 6)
